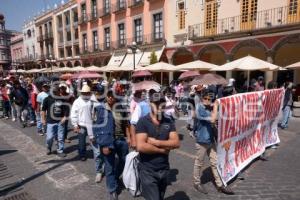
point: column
(229, 58)
(269, 76)
(171, 74)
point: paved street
(25, 170)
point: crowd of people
(117, 120)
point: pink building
(17, 50)
(107, 27)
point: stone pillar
(269, 76)
(171, 74)
(229, 58)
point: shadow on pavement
(3, 152)
(180, 195)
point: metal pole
(133, 59)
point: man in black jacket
(19, 97)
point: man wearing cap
(57, 111)
(39, 99)
(80, 119)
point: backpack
(130, 174)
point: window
(107, 37)
(106, 6)
(33, 51)
(158, 26)
(181, 14)
(249, 10)
(2, 41)
(211, 14)
(83, 12)
(61, 53)
(293, 7)
(95, 40)
(67, 17)
(69, 36)
(84, 42)
(28, 33)
(1, 27)
(76, 34)
(121, 34)
(121, 4)
(94, 8)
(138, 30)
(75, 17)
(27, 50)
(61, 37)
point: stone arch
(182, 55)
(253, 47)
(286, 52)
(213, 53)
(86, 63)
(77, 63)
(69, 64)
(61, 64)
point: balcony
(106, 11)
(153, 38)
(48, 36)
(93, 16)
(272, 20)
(95, 49)
(119, 44)
(82, 20)
(40, 38)
(119, 7)
(41, 57)
(135, 3)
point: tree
(153, 58)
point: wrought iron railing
(135, 3)
(119, 6)
(266, 19)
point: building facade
(66, 34)
(107, 27)
(17, 51)
(5, 36)
(228, 30)
(30, 45)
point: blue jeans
(40, 127)
(110, 172)
(32, 116)
(285, 116)
(55, 130)
(98, 157)
(82, 142)
(122, 150)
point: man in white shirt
(81, 119)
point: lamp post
(134, 50)
(51, 60)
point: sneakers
(13, 119)
(83, 158)
(113, 196)
(62, 155)
(49, 152)
(225, 190)
(98, 178)
(41, 133)
(200, 188)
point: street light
(51, 61)
(134, 50)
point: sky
(16, 11)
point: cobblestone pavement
(22, 151)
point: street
(26, 171)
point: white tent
(195, 65)
(78, 69)
(63, 69)
(32, 71)
(94, 68)
(248, 64)
(158, 67)
(294, 66)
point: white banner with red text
(247, 124)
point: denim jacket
(104, 126)
(202, 126)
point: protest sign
(247, 124)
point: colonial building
(30, 45)
(66, 34)
(17, 51)
(107, 28)
(5, 37)
(228, 30)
